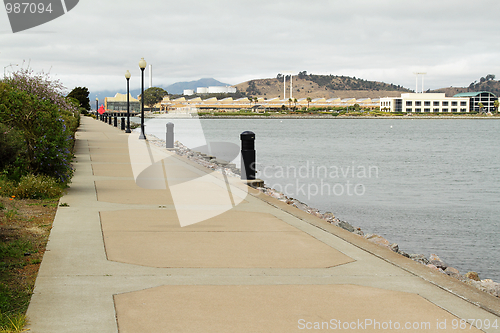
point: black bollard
(247, 155)
(122, 123)
(115, 121)
(170, 136)
(109, 119)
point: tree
(81, 94)
(481, 107)
(153, 96)
(496, 104)
(309, 100)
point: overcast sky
(454, 41)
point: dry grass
(24, 230)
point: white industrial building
(216, 90)
(424, 103)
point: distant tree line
(486, 83)
(335, 82)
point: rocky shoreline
(433, 261)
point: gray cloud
(387, 40)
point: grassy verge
(24, 229)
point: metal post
(128, 108)
(142, 136)
(247, 155)
(115, 121)
(122, 123)
(170, 136)
(109, 119)
(128, 103)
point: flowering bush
(41, 86)
(38, 187)
(33, 105)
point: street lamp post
(142, 66)
(127, 76)
(96, 105)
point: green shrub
(7, 187)
(38, 187)
(34, 106)
(11, 145)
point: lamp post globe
(127, 76)
(142, 66)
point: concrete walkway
(119, 261)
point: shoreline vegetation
(37, 134)
(433, 261)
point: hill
(328, 86)
(487, 83)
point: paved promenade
(118, 259)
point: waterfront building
(119, 103)
(262, 104)
(334, 100)
(347, 102)
(486, 98)
(362, 102)
(424, 103)
(243, 100)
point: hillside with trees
(485, 83)
(310, 85)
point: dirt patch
(24, 230)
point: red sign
(101, 110)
